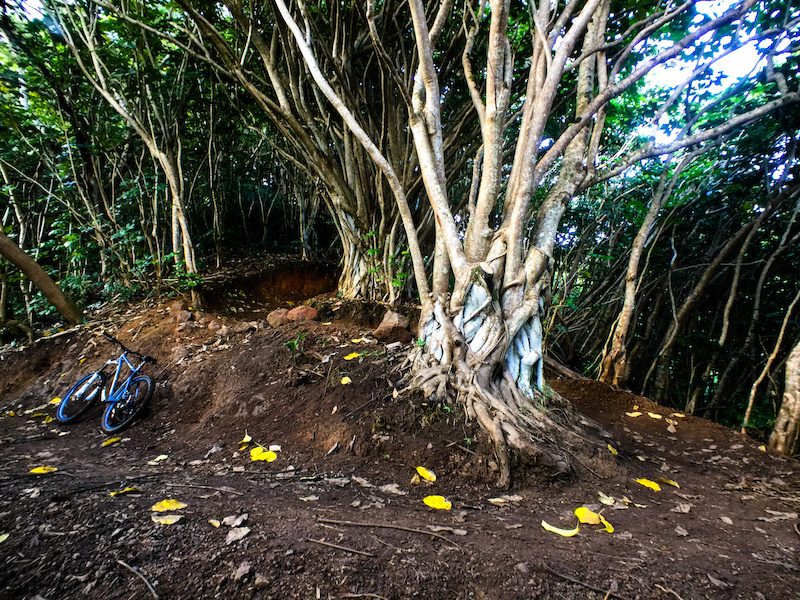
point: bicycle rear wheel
(80, 397)
(131, 403)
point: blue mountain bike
(126, 398)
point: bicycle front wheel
(80, 398)
(130, 405)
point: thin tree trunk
(41, 280)
(614, 364)
(765, 371)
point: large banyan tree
(541, 77)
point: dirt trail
(729, 531)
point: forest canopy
(582, 182)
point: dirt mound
(336, 514)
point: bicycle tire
(121, 413)
(80, 398)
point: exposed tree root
(467, 360)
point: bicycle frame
(111, 392)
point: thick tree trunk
(784, 436)
(499, 382)
(41, 280)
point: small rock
(187, 326)
(278, 317)
(242, 327)
(242, 571)
(522, 568)
(214, 325)
(303, 313)
(261, 581)
(201, 316)
(179, 352)
(393, 328)
(184, 316)
(223, 330)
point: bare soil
(336, 514)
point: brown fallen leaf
(720, 584)
(236, 534)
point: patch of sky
(727, 67)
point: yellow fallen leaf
(260, 453)
(679, 415)
(346, 380)
(609, 526)
(166, 505)
(55, 400)
(4, 537)
(426, 474)
(109, 441)
(587, 516)
(357, 341)
(653, 415)
(762, 448)
(649, 484)
(246, 439)
(641, 458)
(127, 490)
(38, 414)
(352, 355)
(415, 479)
(166, 519)
(214, 522)
(48, 419)
(81, 361)
(671, 482)
(327, 323)
(438, 502)
(612, 450)
(157, 459)
(635, 413)
(562, 532)
(39, 470)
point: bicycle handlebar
(143, 357)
